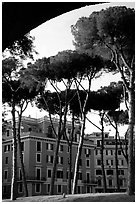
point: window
(23, 157)
(5, 189)
(75, 138)
(38, 146)
(49, 173)
(119, 152)
(98, 172)
(22, 146)
(5, 174)
(37, 188)
(8, 133)
(88, 189)
(79, 175)
(98, 143)
(109, 172)
(80, 162)
(121, 182)
(64, 137)
(68, 175)
(48, 188)
(59, 188)
(59, 174)
(20, 188)
(109, 152)
(30, 129)
(98, 162)
(112, 162)
(110, 182)
(88, 177)
(97, 152)
(79, 189)
(109, 162)
(106, 135)
(6, 160)
(106, 152)
(20, 175)
(11, 147)
(121, 172)
(121, 162)
(69, 131)
(50, 159)
(87, 152)
(38, 173)
(6, 148)
(60, 148)
(50, 131)
(49, 146)
(38, 157)
(87, 163)
(78, 135)
(59, 160)
(99, 182)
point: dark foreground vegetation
(101, 197)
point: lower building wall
(6, 189)
(37, 188)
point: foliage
(120, 117)
(12, 86)
(106, 33)
(22, 47)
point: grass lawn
(98, 197)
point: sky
(55, 35)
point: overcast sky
(55, 35)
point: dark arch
(18, 18)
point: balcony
(33, 178)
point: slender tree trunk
(54, 166)
(131, 157)
(78, 156)
(14, 158)
(102, 155)
(125, 149)
(70, 156)
(70, 170)
(60, 133)
(58, 138)
(116, 159)
(21, 159)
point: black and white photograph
(68, 101)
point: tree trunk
(70, 170)
(131, 157)
(54, 166)
(78, 156)
(116, 160)
(60, 133)
(70, 142)
(21, 159)
(102, 154)
(14, 158)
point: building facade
(109, 163)
(38, 145)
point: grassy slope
(113, 197)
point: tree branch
(93, 123)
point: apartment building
(38, 145)
(109, 162)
